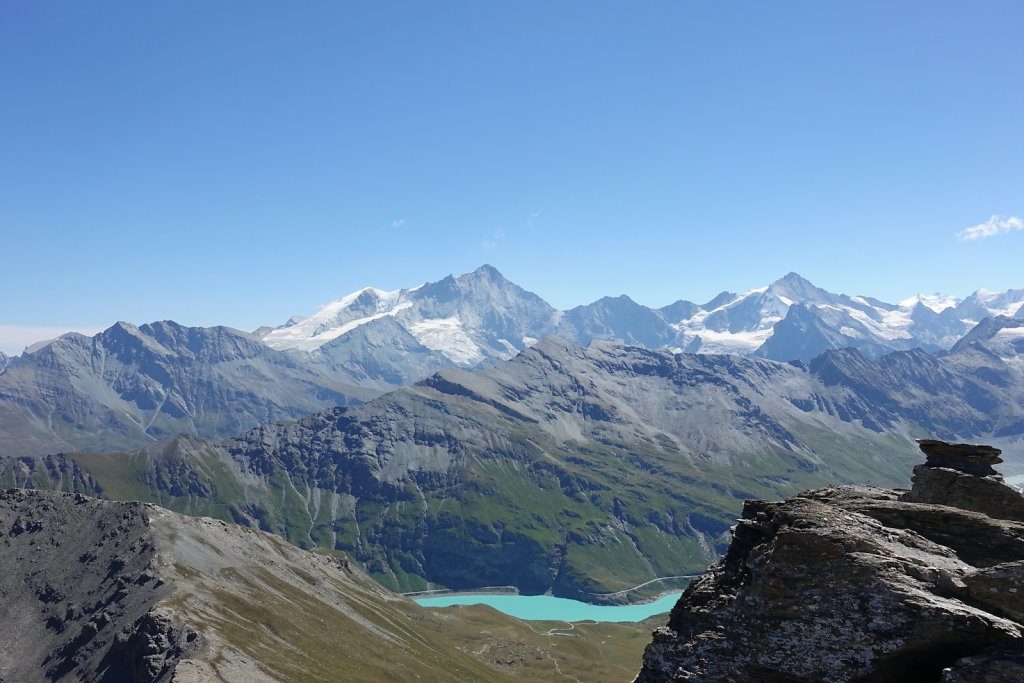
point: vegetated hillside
(863, 584)
(106, 591)
(574, 470)
(131, 385)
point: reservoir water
(547, 608)
(1017, 480)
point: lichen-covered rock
(862, 584)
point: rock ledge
(863, 584)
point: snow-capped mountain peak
(336, 319)
(470, 319)
(480, 318)
(936, 302)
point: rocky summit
(863, 584)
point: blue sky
(237, 163)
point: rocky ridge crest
(103, 591)
(863, 584)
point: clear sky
(216, 162)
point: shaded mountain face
(576, 470)
(132, 385)
(618, 319)
(6, 361)
(1001, 335)
(862, 584)
(105, 591)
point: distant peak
(486, 271)
(793, 278)
(621, 298)
(796, 287)
(721, 299)
(986, 330)
(122, 326)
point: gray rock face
(962, 476)
(479, 318)
(861, 584)
(129, 386)
(94, 590)
(78, 586)
(133, 385)
(6, 361)
(996, 333)
(380, 355)
(632, 460)
(474, 320)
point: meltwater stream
(547, 608)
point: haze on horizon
(220, 164)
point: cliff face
(863, 584)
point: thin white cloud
(535, 214)
(399, 223)
(14, 338)
(996, 225)
(492, 241)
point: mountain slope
(479, 318)
(474, 319)
(131, 385)
(575, 470)
(104, 591)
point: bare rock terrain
(863, 584)
(95, 590)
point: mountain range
(478, 318)
(574, 470)
(131, 385)
(134, 385)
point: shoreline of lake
(549, 608)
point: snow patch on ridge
(732, 342)
(936, 302)
(335, 319)
(447, 336)
(293, 338)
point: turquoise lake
(547, 608)
(1015, 481)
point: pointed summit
(488, 271)
(794, 286)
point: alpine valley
(546, 465)
(458, 435)
(130, 386)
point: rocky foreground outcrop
(863, 584)
(94, 590)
